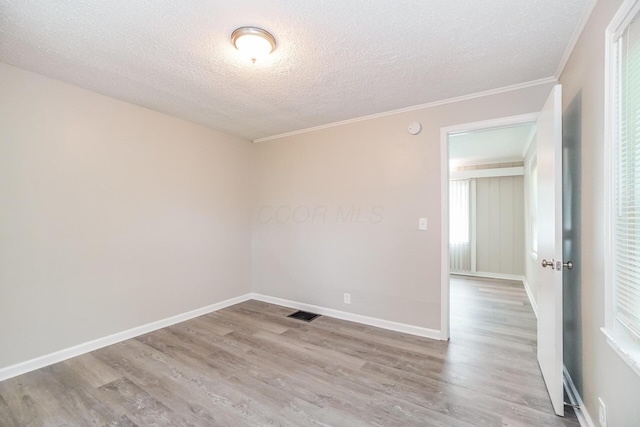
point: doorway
(547, 220)
(487, 201)
(490, 233)
(488, 307)
(473, 169)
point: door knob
(568, 265)
(546, 263)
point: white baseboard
(488, 275)
(366, 320)
(532, 300)
(68, 353)
(575, 399)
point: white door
(549, 284)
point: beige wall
(111, 216)
(604, 373)
(391, 269)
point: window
(622, 325)
(460, 251)
(459, 211)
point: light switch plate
(422, 224)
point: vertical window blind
(460, 226)
(459, 211)
(626, 178)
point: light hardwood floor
(250, 365)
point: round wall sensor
(415, 128)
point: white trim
(608, 181)
(575, 37)
(490, 275)
(444, 201)
(518, 86)
(445, 262)
(625, 15)
(493, 123)
(532, 300)
(487, 173)
(574, 398)
(358, 318)
(77, 350)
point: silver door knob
(546, 263)
(568, 265)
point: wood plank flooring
(251, 365)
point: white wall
(111, 216)
(391, 269)
(605, 375)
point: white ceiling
(489, 146)
(335, 60)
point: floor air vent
(304, 315)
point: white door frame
(444, 201)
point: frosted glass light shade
(253, 43)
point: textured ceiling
(497, 145)
(335, 60)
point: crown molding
(504, 89)
(575, 37)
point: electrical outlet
(422, 224)
(347, 298)
(602, 413)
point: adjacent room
(490, 297)
(487, 200)
(293, 213)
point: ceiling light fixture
(252, 42)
